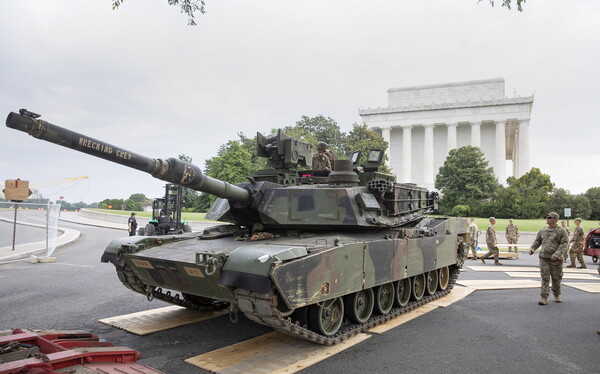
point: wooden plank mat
(502, 254)
(565, 275)
(149, 321)
(403, 318)
(500, 284)
(458, 293)
(493, 267)
(528, 268)
(271, 353)
(587, 287)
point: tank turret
(352, 196)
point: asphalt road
(489, 331)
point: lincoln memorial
(423, 123)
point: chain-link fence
(27, 229)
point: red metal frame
(70, 348)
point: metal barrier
(27, 229)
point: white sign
(567, 212)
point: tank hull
(290, 274)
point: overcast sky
(140, 78)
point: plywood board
(380, 329)
(587, 287)
(495, 268)
(502, 254)
(499, 284)
(458, 293)
(528, 268)
(565, 275)
(271, 353)
(149, 321)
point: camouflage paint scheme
(304, 271)
(321, 236)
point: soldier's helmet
(321, 146)
(553, 215)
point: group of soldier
(553, 242)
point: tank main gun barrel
(171, 170)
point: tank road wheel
(402, 292)
(384, 298)
(150, 229)
(326, 318)
(359, 305)
(432, 282)
(418, 287)
(444, 278)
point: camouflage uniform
(577, 247)
(554, 242)
(472, 243)
(568, 231)
(512, 236)
(490, 239)
(320, 161)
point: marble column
(476, 134)
(406, 154)
(500, 151)
(428, 156)
(451, 136)
(386, 135)
(523, 148)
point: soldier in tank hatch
(492, 243)
(554, 242)
(323, 159)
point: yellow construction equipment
(57, 182)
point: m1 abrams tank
(319, 256)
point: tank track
(134, 283)
(264, 310)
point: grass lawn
(186, 216)
(525, 225)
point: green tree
(189, 7)
(560, 199)
(361, 138)
(113, 203)
(465, 179)
(318, 129)
(531, 193)
(581, 207)
(232, 164)
(593, 196)
(508, 3)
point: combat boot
(557, 299)
(543, 301)
(571, 266)
(497, 263)
(582, 266)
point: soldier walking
(576, 242)
(554, 242)
(512, 236)
(563, 225)
(491, 241)
(473, 230)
